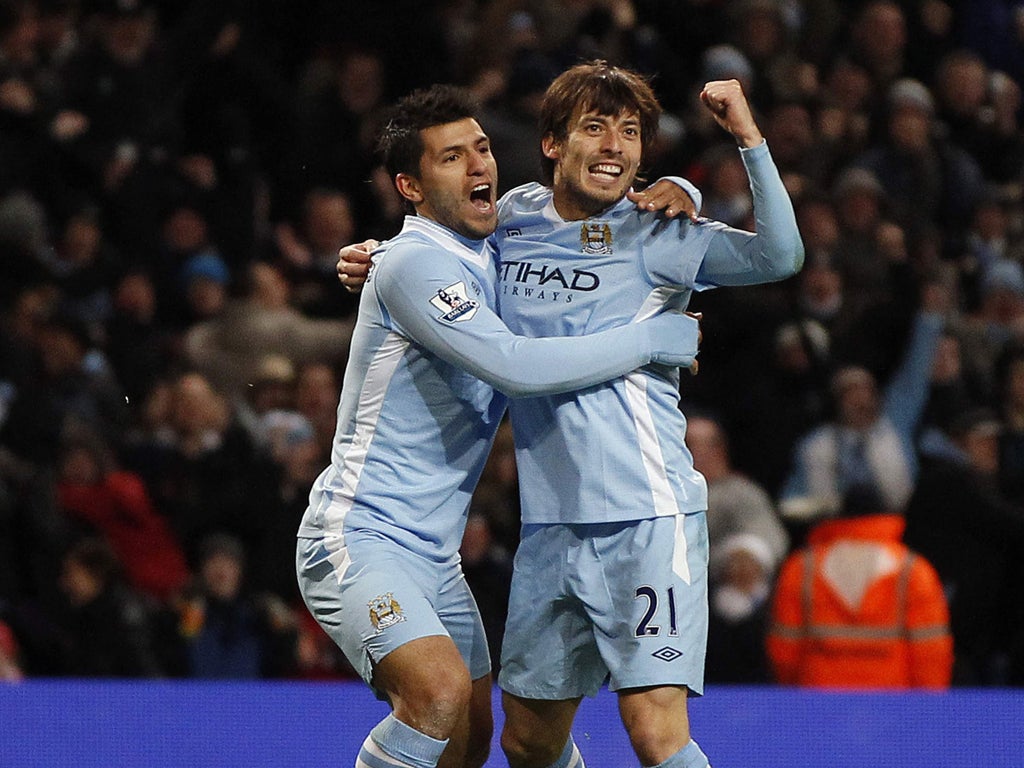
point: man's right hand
(675, 339)
(354, 265)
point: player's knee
(529, 750)
(651, 744)
(440, 699)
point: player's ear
(549, 147)
(409, 188)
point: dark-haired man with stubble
(424, 392)
(610, 580)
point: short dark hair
(603, 88)
(400, 144)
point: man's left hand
(667, 197)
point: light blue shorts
(622, 602)
(373, 597)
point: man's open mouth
(608, 171)
(480, 197)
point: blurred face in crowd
(361, 82)
(80, 467)
(270, 288)
(857, 398)
(136, 296)
(185, 230)
(909, 129)
(195, 406)
(819, 225)
(222, 575)
(18, 44)
(60, 351)
(329, 223)
(127, 37)
(706, 442)
(982, 448)
(962, 84)
(880, 33)
(79, 583)
(860, 211)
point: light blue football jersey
(418, 413)
(616, 451)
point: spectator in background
(870, 442)
(107, 630)
(101, 499)
(307, 253)
(141, 347)
(340, 100)
(10, 664)
(927, 180)
(228, 348)
(978, 109)
(224, 631)
(121, 85)
(995, 323)
(747, 544)
(83, 266)
(1010, 409)
(204, 471)
(785, 398)
(878, 42)
(974, 536)
(857, 609)
(317, 388)
(993, 236)
(70, 385)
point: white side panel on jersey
(655, 302)
(371, 399)
(665, 504)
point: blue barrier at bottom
(44, 724)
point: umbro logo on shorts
(667, 654)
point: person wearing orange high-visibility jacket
(857, 609)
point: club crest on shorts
(455, 303)
(595, 237)
(385, 612)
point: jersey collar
(552, 215)
(474, 251)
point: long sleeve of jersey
(434, 300)
(775, 251)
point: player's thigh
(425, 677)
(548, 651)
(458, 612)
(370, 608)
(652, 630)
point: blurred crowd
(177, 177)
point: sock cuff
(690, 756)
(570, 757)
(406, 743)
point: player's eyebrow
(481, 139)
